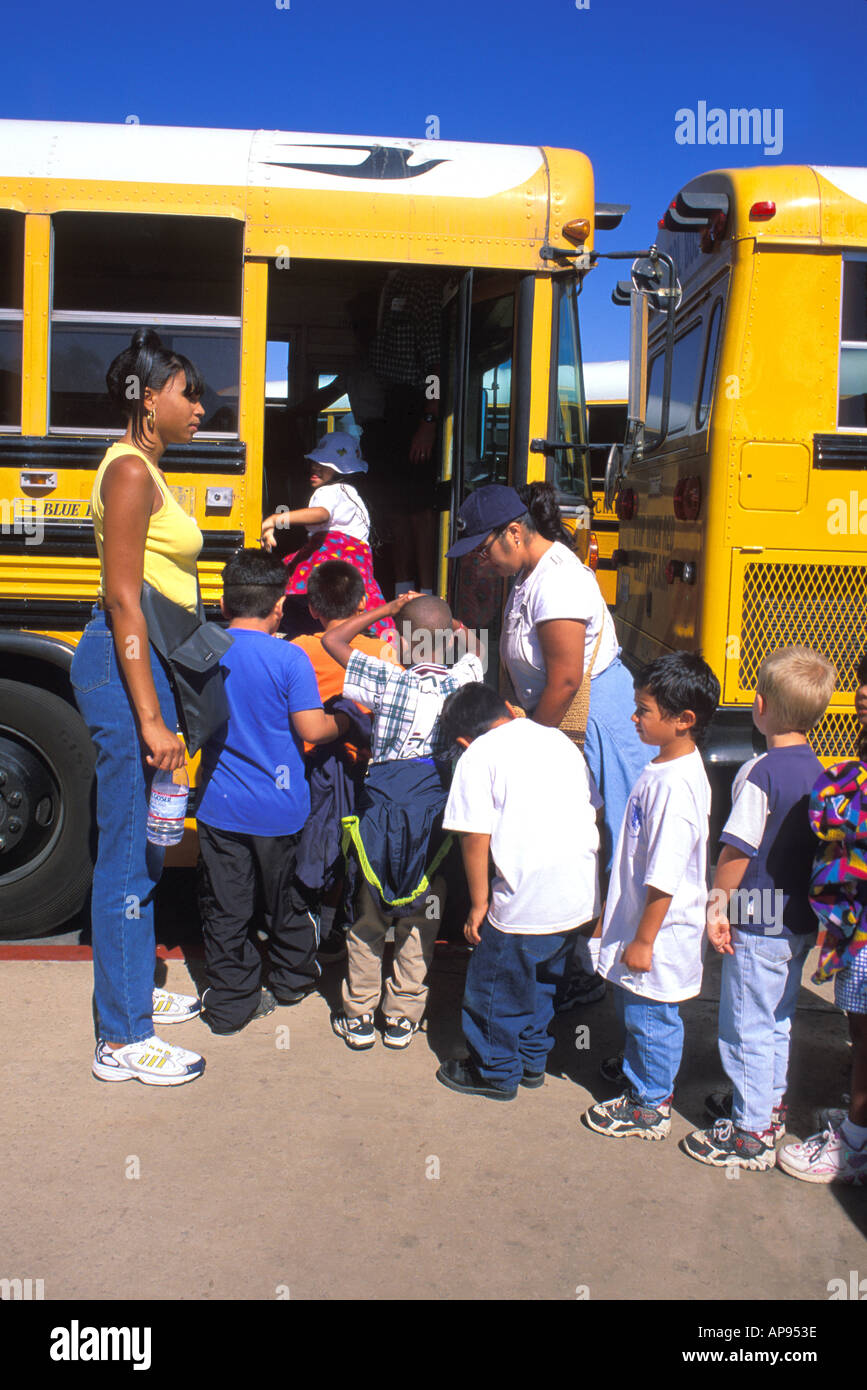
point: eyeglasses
(485, 550)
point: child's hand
(475, 918)
(401, 601)
(719, 934)
(638, 956)
(268, 527)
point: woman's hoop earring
(151, 418)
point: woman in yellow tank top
(123, 693)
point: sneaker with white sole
(825, 1157)
(724, 1145)
(358, 1033)
(175, 1008)
(628, 1117)
(398, 1032)
(153, 1062)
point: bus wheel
(46, 774)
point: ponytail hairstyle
(146, 363)
(543, 512)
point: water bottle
(168, 806)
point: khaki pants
(405, 994)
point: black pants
(230, 867)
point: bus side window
(853, 347)
(684, 373)
(11, 317)
(708, 373)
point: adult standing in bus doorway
(123, 693)
(405, 356)
(556, 629)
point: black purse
(191, 649)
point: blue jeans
(128, 867)
(653, 1045)
(614, 752)
(758, 994)
(509, 1001)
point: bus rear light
(625, 506)
(593, 552)
(760, 212)
(673, 570)
(577, 231)
(687, 499)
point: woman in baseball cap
(337, 521)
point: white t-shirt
(528, 787)
(558, 587)
(662, 844)
(345, 509)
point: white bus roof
(606, 381)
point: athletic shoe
(266, 1005)
(175, 1008)
(626, 1117)
(532, 1079)
(398, 1032)
(726, 1146)
(358, 1033)
(461, 1074)
(293, 996)
(612, 1070)
(825, 1157)
(719, 1106)
(581, 988)
(153, 1062)
(332, 947)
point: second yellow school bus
(743, 508)
(244, 250)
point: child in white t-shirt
(652, 936)
(337, 522)
(523, 797)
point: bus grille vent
(820, 606)
(834, 737)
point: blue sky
(606, 79)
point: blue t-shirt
(253, 775)
(769, 823)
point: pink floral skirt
(336, 545)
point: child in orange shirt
(335, 592)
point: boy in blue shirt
(759, 917)
(254, 802)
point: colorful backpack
(838, 887)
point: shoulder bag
(191, 649)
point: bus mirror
(654, 276)
(638, 357)
(613, 475)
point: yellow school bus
(741, 492)
(244, 249)
(605, 389)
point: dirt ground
(295, 1168)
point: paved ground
(331, 1175)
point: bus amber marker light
(687, 499)
(761, 212)
(593, 552)
(625, 504)
(577, 231)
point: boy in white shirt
(652, 938)
(521, 795)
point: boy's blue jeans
(128, 867)
(758, 995)
(509, 1001)
(653, 1045)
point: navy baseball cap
(484, 511)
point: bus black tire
(52, 732)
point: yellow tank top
(173, 539)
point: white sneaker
(153, 1062)
(175, 1008)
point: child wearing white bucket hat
(337, 521)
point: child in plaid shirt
(396, 832)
